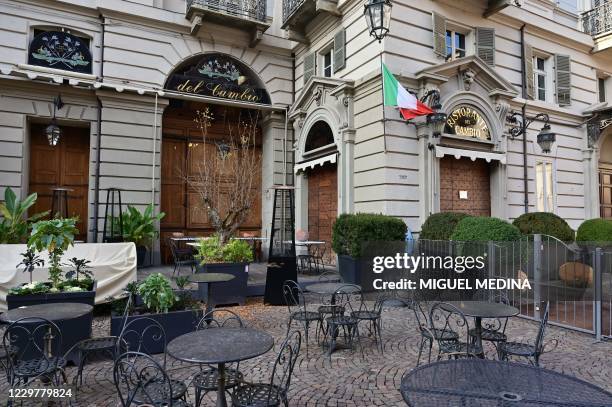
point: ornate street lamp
(545, 138)
(53, 131)
(436, 120)
(378, 17)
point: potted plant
(155, 298)
(14, 226)
(357, 238)
(140, 228)
(232, 258)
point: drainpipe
(99, 138)
(523, 113)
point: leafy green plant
(211, 250)
(181, 282)
(30, 261)
(440, 226)
(80, 268)
(595, 231)
(482, 229)
(14, 226)
(156, 293)
(350, 231)
(544, 223)
(36, 287)
(54, 236)
(140, 227)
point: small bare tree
(227, 176)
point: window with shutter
(529, 70)
(339, 50)
(563, 77)
(485, 44)
(439, 35)
(309, 66)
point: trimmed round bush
(440, 226)
(544, 223)
(598, 231)
(350, 231)
(479, 229)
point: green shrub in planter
(157, 293)
(235, 251)
(597, 231)
(350, 231)
(480, 229)
(544, 223)
(440, 226)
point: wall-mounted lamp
(378, 17)
(437, 120)
(521, 123)
(53, 131)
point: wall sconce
(437, 120)
(521, 123)
(378, 17)
(53, 131)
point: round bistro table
(53, 312)
(331, 288)
(220, 346)
(484, 309)
(209, 279)
(489, 383)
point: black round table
(484, 309)
(207, 280)
(220, 346)
(53, 312)
(484, 383)
(331, 288)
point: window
(601, 89)
(539, 78)
(327, 64)
(455, 45)
(544, 187)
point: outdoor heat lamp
(378, 17)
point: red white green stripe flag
(396, 95)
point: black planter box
(280, 269)
(73, 330)
(175, 323)
(230, 292)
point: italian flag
(396, 95)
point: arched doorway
(605, 177)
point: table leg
(221, 401)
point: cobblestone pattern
(347, 379)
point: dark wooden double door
(322, 205)
(64, 165)
(460, 177)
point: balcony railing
(246, 9)
(289, 7)
(598, 20)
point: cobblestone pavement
(349, 380)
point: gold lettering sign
(467, 122)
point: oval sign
(466, 121)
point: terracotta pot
(576, 274)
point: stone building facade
(311, 71)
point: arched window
(60, 50)
(320, 137)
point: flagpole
(382, 79)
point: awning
(471, 154)
(330, 158)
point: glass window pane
(549, 187)
(539, 187)
(541, 81)
(459, 41)
(542, 95)
(540, 64)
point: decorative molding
(468, 77)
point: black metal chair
(345, 298)
(140, 380)
(181, 257)
(373, 317)
(445, 318)
(36, 344)
(529, 351)
(144, 335)
(317, 257)
(428, 335)
(298, 310)
(493, 329)
(207, 378)
(95, 346)
(273, 393)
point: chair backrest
(348, 297)
(126, 313)
(445, 317)
(143, 335)
(327, 277)
(219, 318)
(294, 296)
(133, 373)
(284, 364)
(420, 314)
(33, 338)
(539, 342)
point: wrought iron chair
(428, 335)
(346, 298)
(325, 307)
(444, 318)
(140, 380)
(275, 392)
(105, 344)
(372, 316)
(317, 257)
(37, 345)
(494, 330)
(529, 351)
(298, 310)
(181, 257)
(207, 378)
(143, 335)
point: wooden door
(605, 191)
(471, 177)
(322, 204)
(65, 165)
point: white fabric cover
(113, 266)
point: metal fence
(250, 9)
(289, 6)
(576, 280)
(598, 20)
